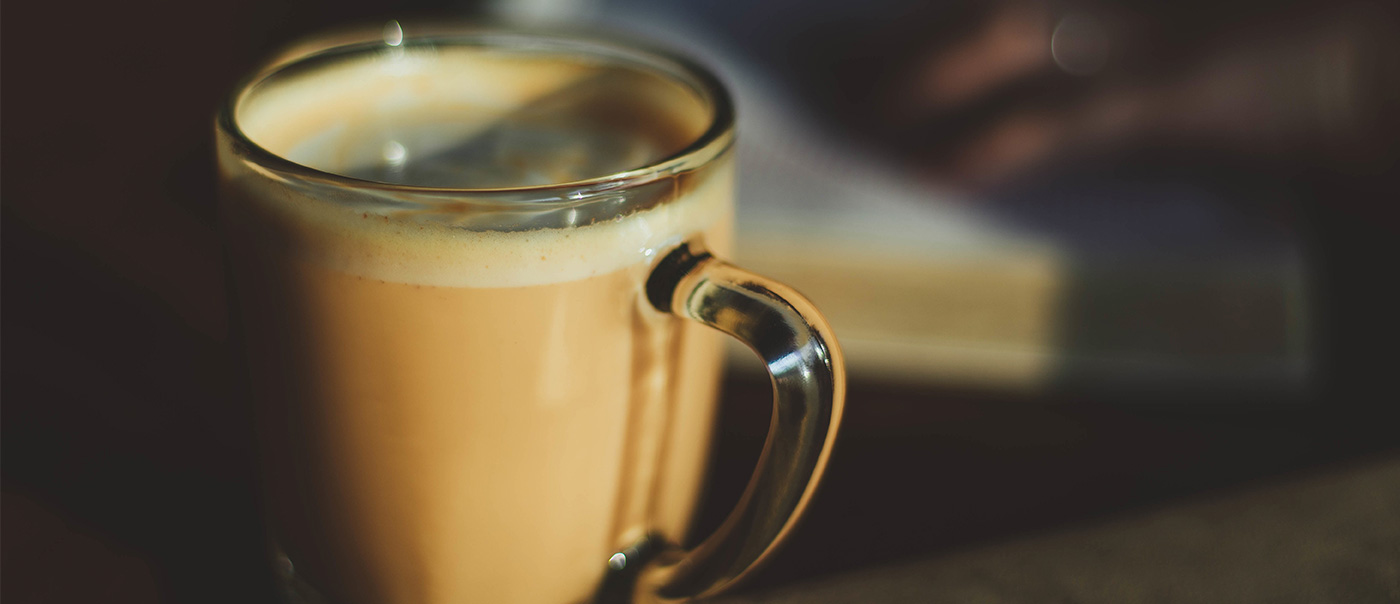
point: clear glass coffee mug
(474, 276)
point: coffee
(452, 412)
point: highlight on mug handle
(809, 391)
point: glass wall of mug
(440, 246)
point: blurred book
(1115, 282)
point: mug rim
(713, 142)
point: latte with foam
(451, 409)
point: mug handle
(809, 392)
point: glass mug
(475, 282)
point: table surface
(1332, 535)
(982, 497)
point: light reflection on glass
(395, 153)
(618, 561)
(393, 33)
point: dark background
(126, 470)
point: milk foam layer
(305, 118)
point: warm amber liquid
(450, 444)
(456, 416)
